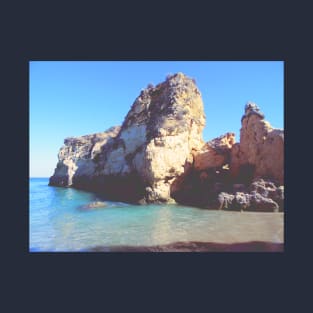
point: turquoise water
(57, 224)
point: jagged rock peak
(175, 98)
(159, 132)
(261, 147)
(252, 108)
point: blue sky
(69, 98)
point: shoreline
(195, 246)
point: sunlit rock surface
(261, 147)
(158, 155)
(140, 161)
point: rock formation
(140, 162)
(158, 155)
(237, 176)
(261, 195)
(214, 153)
(261, 149)
(208, 175)
(78, 155)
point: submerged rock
(92, 206)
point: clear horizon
(75, 98)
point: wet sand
(226, 232)
(251, 246)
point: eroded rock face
(262, 195)
(260, 152)
(227, 175)
(142, 159)
(78, 156)
(207, 176)
(214, 153)
(158, 155)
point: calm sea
(57, 224)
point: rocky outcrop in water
(77, 157)
(158, 155)
(238, 176)
(261, 196)
(140, 161)
(260, 152)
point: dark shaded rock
(127, 188)
(218, 187)
(247, 202)
(239, 188)
(263, 187)
(261, 203)
(241, 201)
(278, 197)
(225, 200)
(268, 189)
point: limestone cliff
(78, 156)
(214, 153)
(139, 163)
(239, 176)
(158, 155)
(260, 152)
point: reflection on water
(162, 226)
(57, 225)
